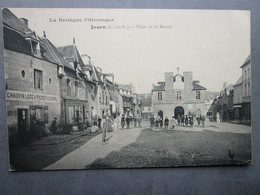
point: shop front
(76, 112)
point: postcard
(127, 88)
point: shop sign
(12, 95)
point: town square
(126, 103)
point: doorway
(178, 111)
(23, 124)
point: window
(76, 89)
(178, 95)
(37, 79)
(49, 80)
(23, 74)
(197, 95)
(159, 95)
(35, 47)
(149, 109)
(209, 113)
(103, 97)
(68, 88)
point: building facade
(31, 75)
(178, 95)
(146, 105)
(246, 90)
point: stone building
(31, 76)
(238, 99)
(225, 102)
(178, 95)
(131, 102)
(146, 105)
(73, 83)
(246, 90)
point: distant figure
(218, 118)
(203, 121)
(127, 122)
(182, 120)
(161, 122)
(186, 121)
(191, 121)
(54, 126)
(105, 129)
(166, 123)
(152, 121)
(135, 122)
(179, 120)
(123, 121)
(99, 122)
(139, 121)
(198, 120)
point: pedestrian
(99, 122)
(191, 121)
(123, 121)
(182, 120)
(203, 121)
(127, 122)
(166, 123)
(54, 126)
(139, 121)
(152, 121)
(160, 122)
(218, 118)
(135, 122)
(186, 120)
(198, 120)
(105, 129)
(179, 120)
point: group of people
(159, 122)
(108, 121)
(130, 122)
(185, 121)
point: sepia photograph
(127, 88)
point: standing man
(99, 122)
(203, 121)
(127, 122)
(139, 121)
(152, 121)
(105, 129)
(218, 118)
(123, 121)
(166, 123)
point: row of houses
(44, 82)
(234, 100)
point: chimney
(25, 21)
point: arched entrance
(178, 111)
(160, 114)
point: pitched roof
(160, 87)
(71, 54)
(15, 33)
(247, 61)
(51, 53)
(239, 81)
(9, 19)
(196, 86)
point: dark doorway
(160, 113)
(178, 111)
(23, 124)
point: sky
(139, 46)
